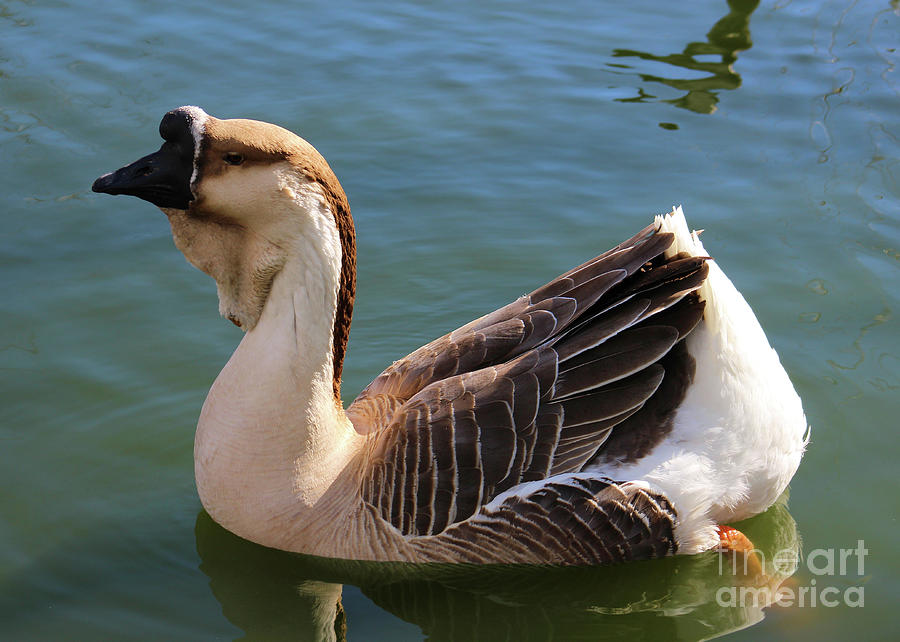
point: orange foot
(733, 541)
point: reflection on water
(267, 593)
(727, 37)
(271, 594)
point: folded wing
(533, 390)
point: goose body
(625, 410)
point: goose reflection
(727, 37)
(271, 594)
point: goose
(631, 408)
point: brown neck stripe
(343, 314)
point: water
(485, 148)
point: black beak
(162, 178)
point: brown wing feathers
(517, 327)
(532, 390)
(574, 520)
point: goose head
(243, 197)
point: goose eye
(232, 158)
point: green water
(485, 147)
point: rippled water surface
(485, 148)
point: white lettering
(760, 596)
(845, 553)
(861, 552)
(784, 596)
(859, 592)
(785, 562)
(726, 590)
(826, 553)
(823, 596)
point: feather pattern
(531, 393)
(572, 519)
